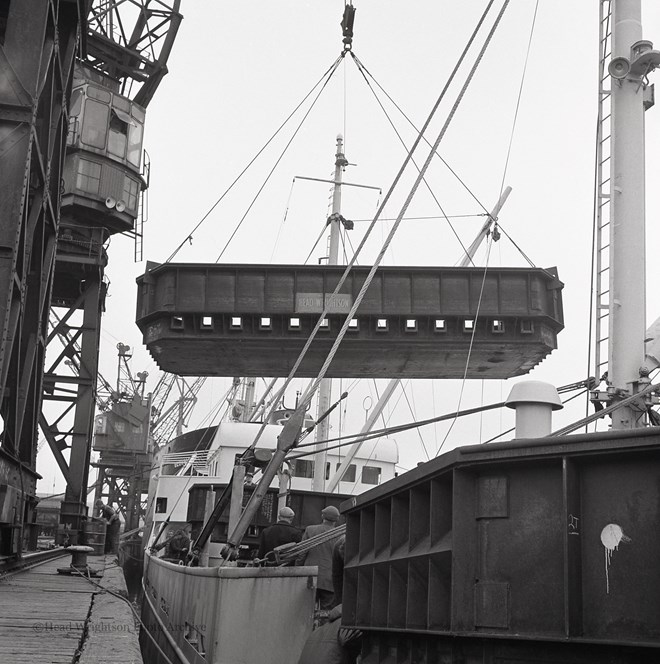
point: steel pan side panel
(621, 592)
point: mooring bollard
(79, 566)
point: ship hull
(225, 615)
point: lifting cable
(328, 73)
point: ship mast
(632, 59)
(325, 387)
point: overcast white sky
(238, 69)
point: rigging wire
(361, 67)
(522, 253)
(522, 83)
(427, 217)
(318, 239)
(189, 237)
(389, 431)
(281, 226)
(272, 170)
(380, 433)
(469, 353)
(419, 433)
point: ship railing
(197, 461)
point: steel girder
(36, 70)
(136, 54)
(70, 383)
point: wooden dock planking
(43, 614)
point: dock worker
(176, 545)
(113, 524)
(282, 532)
(321, 556)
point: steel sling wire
(286, 147)
(289, 552)
(329, 72)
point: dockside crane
(81, 74)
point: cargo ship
(539, 549)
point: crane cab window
(95, 124)
(118, 136)
(134, 150)
(89, 176)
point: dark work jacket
(276, 535)
(320, 555)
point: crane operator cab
(105, 173)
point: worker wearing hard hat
(282, 532)
(321, 556)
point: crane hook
(347, 26)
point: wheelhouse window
(302, 468)
(349, 473)
(371, 474)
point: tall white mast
(632, 59)
(325, 388)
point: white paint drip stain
(611, 536)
